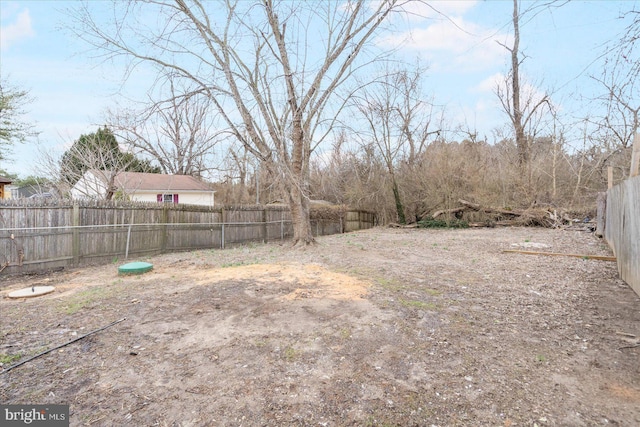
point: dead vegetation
(479, 171)
(531, 217)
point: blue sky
(72, 91)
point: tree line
(238, 96)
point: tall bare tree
(178, 133)
(271, 68)
(519, 106)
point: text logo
(34, 415)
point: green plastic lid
(135, 268)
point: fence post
(609, 176)
(601, 212)
(265, 236)
(163, 237)
(75, 221)
(635, 157)
(281, 225)
(222, 217)
(133, 213)
(126, 251)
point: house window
(167, 198)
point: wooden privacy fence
(622, 229)
(42, 236)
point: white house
(144, 187)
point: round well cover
(34, 291)
(135, 268)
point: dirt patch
(314, 280)
(380, 327)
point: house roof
(136, 181)
(4, 180)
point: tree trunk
(111, 185)
(299, 206)
(399, 206)
(521, 139)
(298, 188)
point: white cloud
(490, 83)
(481, 116)
(447, 40)
(17, 30)
(529, 94)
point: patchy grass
(419, 304)
(290, 354)
(232, 264)
(390, 284)
(345, 333)
(8, 359)
(437, 223)
(86, 299)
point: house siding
(201, 198)
(89, 185)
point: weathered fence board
(622, 229)
(66, 233)
(354, 220)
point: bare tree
(519, 108)
(398, 123)
(622, 119)
(271, 68)
(557, 143)
(330, 172)
(235, 175)
(621, 94)
(13, 127)
(178, 133)
(614, 125)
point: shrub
(440, 223)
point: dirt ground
(384, 327)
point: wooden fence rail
(40, 237)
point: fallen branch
(532, 216)
(396, 225)
(479, 208)
(598, 257)
(629, 338)
(447, 211)
(62, 345)
(625, 334)
(629, 346)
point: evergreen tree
(99, 150)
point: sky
(461, 46)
